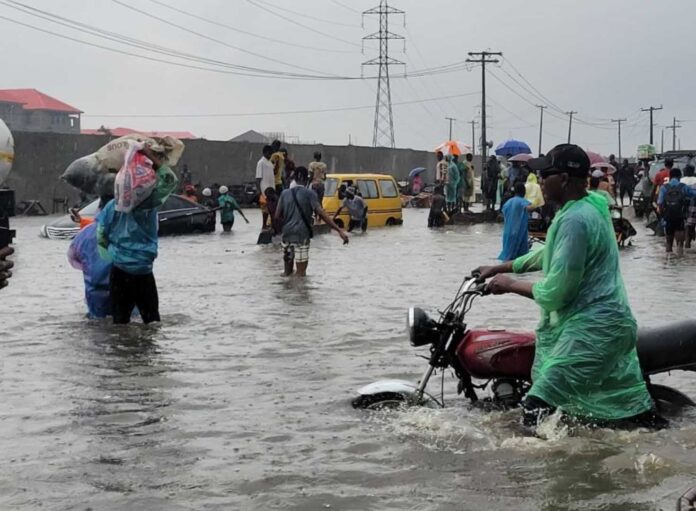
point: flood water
(240, 399)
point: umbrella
(416, 171)
(512, 148)
(453, 147)
(521, 157)
(595, 158)
(607, 168)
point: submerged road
(240, 399)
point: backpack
(674, 202)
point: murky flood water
(240, 399)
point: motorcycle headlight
(422, 329)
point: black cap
(564, 158)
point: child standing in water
(228, 205)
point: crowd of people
(290, 198)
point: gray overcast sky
(602, 58)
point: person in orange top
(662, 177)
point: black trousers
(129, 291)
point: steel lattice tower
(383, 134)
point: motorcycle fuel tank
(497, 354)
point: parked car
(178, 215)
(245, 194)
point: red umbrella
(521, 157)
(595, 158)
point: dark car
(178, 215)
(245, 194)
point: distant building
(120, 132)
(253, 137)
(31, 110)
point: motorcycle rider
(586, 363)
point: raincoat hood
(531, 178)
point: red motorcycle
(503, 359)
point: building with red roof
(32, 110)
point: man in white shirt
(264, 179)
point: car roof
(358, 176)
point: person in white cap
(228, 205)
(208, 200)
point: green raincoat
(586, 362)
(229, 205)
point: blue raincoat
(129, 240)
(84, 255)
(515, 233)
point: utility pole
(473, 123)
(651, 109)
(619, 121)
(674, 127)
(541, 123)
(662, 145)
(570, 123)
(483, 58)
(451, 120)
(383, 131)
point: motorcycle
(503, 359)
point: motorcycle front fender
(404, 388)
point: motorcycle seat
(667, 347)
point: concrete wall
(40, 158)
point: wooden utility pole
(451, 120)
(651, 109)
(483, 58)
(570, 122)
(619, 121)
(541, 123)
(473, 123)
(674, 127)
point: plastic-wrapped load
(112, 155)
(94, 174)
(136, 180)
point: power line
(218, 41)
(541, 96)
(345, 6)
(265, 37)
(307, 16)
(162, 50)
(306, 27)
(291, 112)
(545, 99)
(136, 55)
(144, 45)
